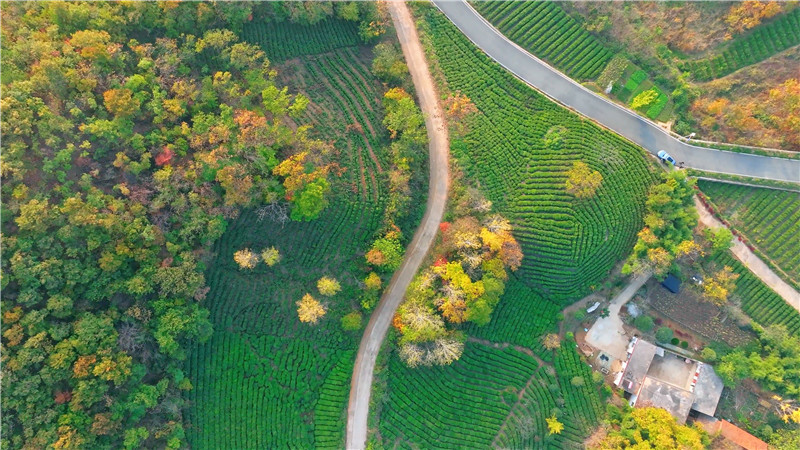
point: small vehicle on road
(664, 156)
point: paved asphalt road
(630, 125)
(361, 384)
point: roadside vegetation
(726, 71)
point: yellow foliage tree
(328, 286)
(582, 182)
(245, 258)
(551, 341)
(309, 310)
(553, 425)
(373, 281)
(120, 102)
(717, 289)
(644, 99)
(270, 256)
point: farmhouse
(654, 376)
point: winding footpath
(361, 384)
(636, 128)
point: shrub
(644, 323)
(684, 344)
(580, 314)
(708, 354)
(352, 321)
(664, 334)
(644, 99)
(674, 341)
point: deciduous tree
(328, 286)
(309, 310)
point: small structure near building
(593, 308)
(732, 434)
(657, 377)
(672, 283)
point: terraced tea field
(769, 218)
(545, 30)
(489, 397)
(569, 245)
(266, 380)
(758, 45)
(285, 40)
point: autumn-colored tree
(458, 107)
(553, 425)
(784, 109)
(246, 258)
(386, 252)
(270, 256)
(511, 254)
(717, 289)
(309, 310)
(748, 14)
(372, 281)
(328, 286)
(582, 182)
(551, 341)
(121, 102)
(689, 249)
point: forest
(134, 134)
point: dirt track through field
(361, 384)
(752, 262)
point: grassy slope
(265, 380)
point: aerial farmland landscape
(438, 224)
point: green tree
(721, 238)
(351, 321)
(311, 201)
(644, 323)
(664, 334)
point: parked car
(665, 157)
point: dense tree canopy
(131, 133)
(669, 221)
(649, 428)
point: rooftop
(707, 391)
(672, 283)
(638, 365)
(660, 378)
(666, 396)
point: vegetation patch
(569, 243)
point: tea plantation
(520, 147)
(769, 218)
(264, 379)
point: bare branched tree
(276, 212)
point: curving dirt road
(438, 144)
(634, 127)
